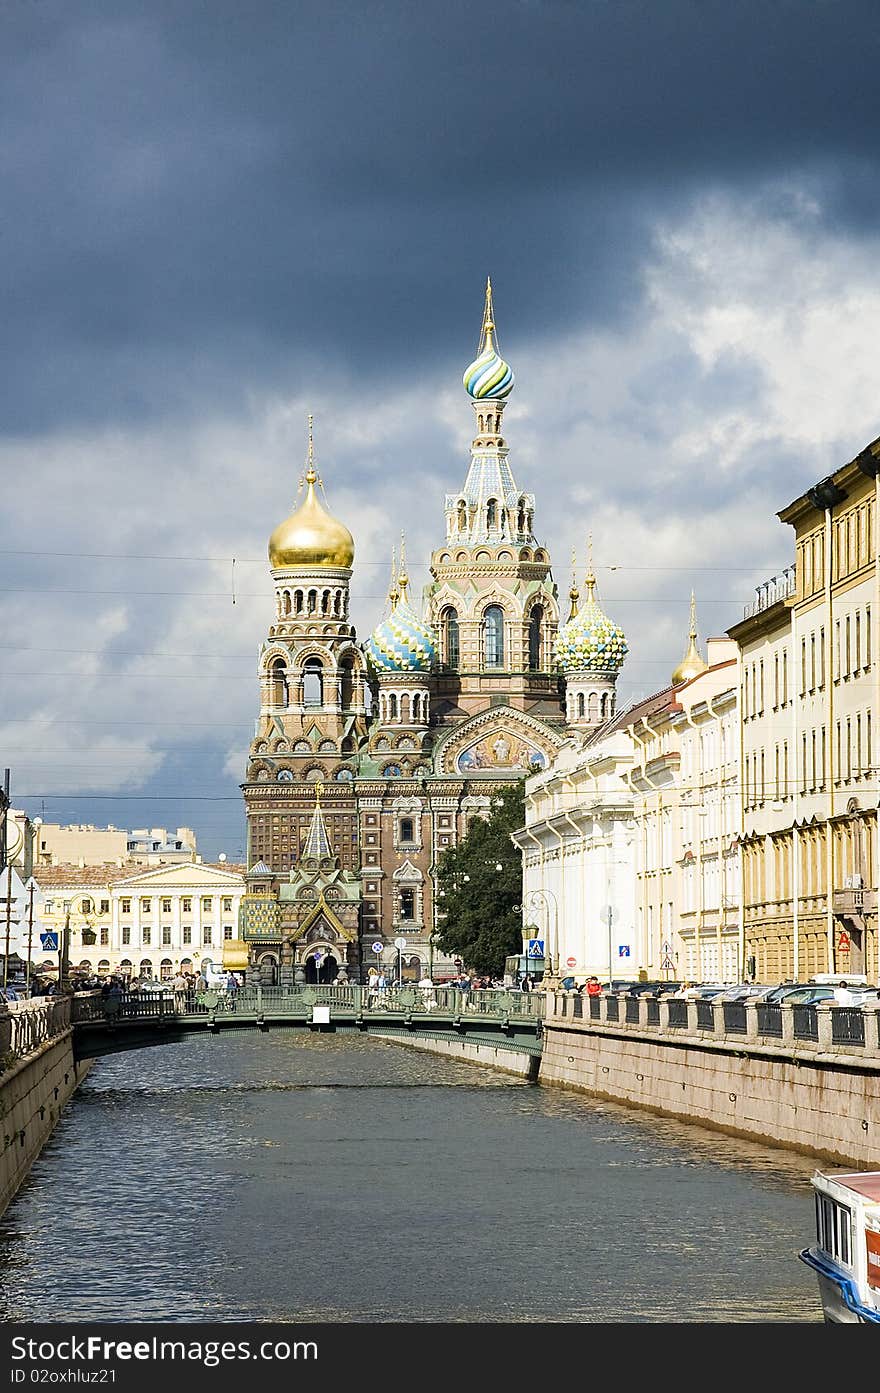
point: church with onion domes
(370, 758)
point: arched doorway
(323, 972)
(268, 965)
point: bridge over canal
(506, 1021)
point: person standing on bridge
(179, 984)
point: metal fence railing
(769, 1019)
(678, 1014)
(806, 1023)
(847, 1026)
(27, 1025)
(705, 1015)
(734, 1017)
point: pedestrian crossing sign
(535, 948)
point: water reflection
(310, 1177)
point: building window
(227, 931)
(166, 934)
(493, 636)
(450, 637)
(535, 623)
(407, 904)
(187, 934)
(105, 906)
(186, 904)
(145, 934)
(86, 906)
(206, 935)
(146, 906)
(126, 934)
(105, 936)
(207, 904)
(166, 906)
(407, 833)
(227, 904)
(313, 683)
(126, 906)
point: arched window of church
(312, 602)
(594, 706)
(407, 833)
(313, 682)
(581, 705)
(462, 516)
(536, 621)
(450, 637)
(493, 636)
(298, 602)
(279, 683)
(521, 517)
(392, 707)
(491, 515)
(603, 705)
(346, 686)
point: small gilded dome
(488, 376)
(692, 663)
(402, 642)
(591, 642)
(310, 537)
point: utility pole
(30, 887)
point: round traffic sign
(376, 947)
(400, 943)
(571, 962)
(456, 962)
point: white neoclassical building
(151, 922)
(631, 842)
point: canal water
(304, 1177)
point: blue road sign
(535, 948)
(49, 942)
(623, 950)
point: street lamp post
(542, 897)
(64, 952)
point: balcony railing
(779, 587)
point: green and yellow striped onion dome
(488, 377)
(402, 642)
(591, 642)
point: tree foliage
(480, 919)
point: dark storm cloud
(203, 200)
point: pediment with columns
(500, 740)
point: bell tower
(493, 602)
(313, 707)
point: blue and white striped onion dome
(402, 642)
(591, 642)
(488, 376)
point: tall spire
(317, 842)
(402, 577)
(486, 345)
(393, 592)
(311, 476)
(574, 594)
(590, 577)
(692, 664)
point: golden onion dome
(311, 537)
(691, 664)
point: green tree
(480, 888)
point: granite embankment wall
(33, 1092)
(511, 1061)
(826, 1105)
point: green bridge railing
(354, 1002)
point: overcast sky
(217, 217)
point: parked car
(810, 996)
(743, 991)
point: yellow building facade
(809, 694)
